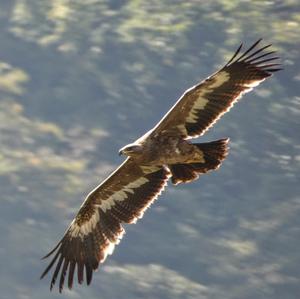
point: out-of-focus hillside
(79, 79)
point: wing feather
(203, 104)
(71, 274)
(96, 229)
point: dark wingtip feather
(80, 267)
(235, 54)
(257, 63)
(51, 252)
(260, 56)
(89, 273)
(274, 70)
(63, 275)
(71, 274)
(250, 49)
(56, 272)
(50, 265)
(257, 58)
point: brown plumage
(163, 152)
(214, 153)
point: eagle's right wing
(92, 235)
(203, 104)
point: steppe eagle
(163, 153)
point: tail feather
(213, 153)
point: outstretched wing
(92, 235)
(203, 104)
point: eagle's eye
(130, 149)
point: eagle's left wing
(92, 235)
(203, 104)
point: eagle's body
(174, 150)
(163, 153)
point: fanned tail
(213, 153)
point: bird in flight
(165, 152)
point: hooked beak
(120, 152)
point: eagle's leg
(212, 154)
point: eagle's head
(130, 150)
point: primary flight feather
(163, 153)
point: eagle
(163, 153)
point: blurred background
(80, 79)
